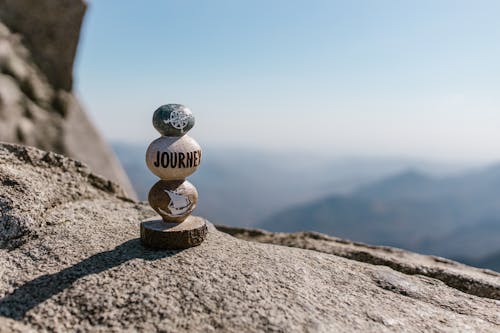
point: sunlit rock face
(38, 41)
(71, 261)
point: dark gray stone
(173, 120)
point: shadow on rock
(32, 293)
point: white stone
(173, 158)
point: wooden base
(158, 234)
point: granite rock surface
(471, 280)
(71, 260)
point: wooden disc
(159, 234)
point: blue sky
(414, 79)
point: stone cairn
(173, 157)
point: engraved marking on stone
(179, 119)
(178, 205)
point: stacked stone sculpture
(173, 157)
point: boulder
(38, 41)
(71, 260)
(50, 30)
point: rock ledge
(71, 260)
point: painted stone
(173, 158)
(174, 200)
(173, 120)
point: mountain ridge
(410, 210)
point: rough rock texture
(71, 260)
(12, 326)
(471, 280)
(33, 182)
(38, 41)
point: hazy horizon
(370, 79)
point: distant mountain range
(456, 217)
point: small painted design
(178, 205)
(179, 119)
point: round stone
(174, 200)
(173, 158)
(173, 120)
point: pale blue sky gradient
(358, 78)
